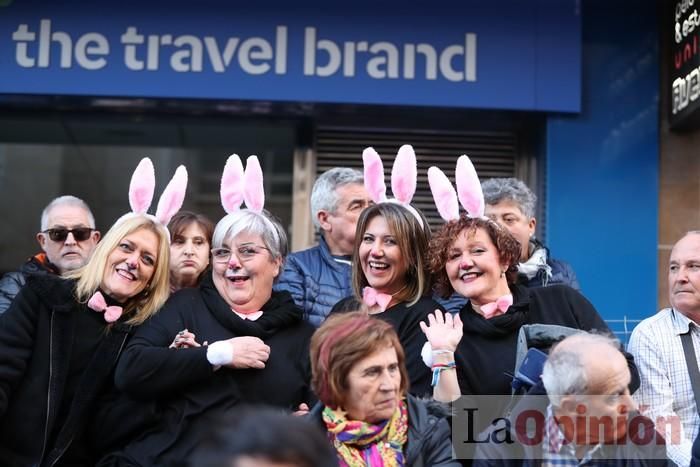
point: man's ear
(322, 217)
(531, 226)
(96, 235)
(568, 404)
(41, 239)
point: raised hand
(443, 331)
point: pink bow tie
(498, 307)
(371, 297)
(97, 303)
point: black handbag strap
(692, 364)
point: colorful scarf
(362, 444)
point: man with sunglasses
(67, 238)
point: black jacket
(12, 282)
(429, 442)
(188, 391)
(38, 337)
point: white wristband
(220, 353)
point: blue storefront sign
(500, 55)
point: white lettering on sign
(89, 51)
(142, 52)
(385, 60)
(686, 90)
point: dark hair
(412, 239)
(184, 219)
(507, 246)
(343, 340)
(263, 433)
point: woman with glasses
(190, 242)
(238, 342)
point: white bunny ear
(254, 190)
(444, 194)
(171, 200)
(404, 174)
(374, 175)
(232, 184)
(469, 188)
(142, 186)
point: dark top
(485, 356)
(186, 386)
(12, 282)
(57, 359)
(405, 321)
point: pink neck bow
(371, 297)
(97, 302)
(499, 307)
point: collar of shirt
(681, 323)
(555, 443)
(250, 316)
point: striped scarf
(362, 444)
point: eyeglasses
(244, 253)
(60, 234)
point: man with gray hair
(67, 238)
(512, 204)
(666, 348)
(588, 416)
(319, 277)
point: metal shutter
(493, 153)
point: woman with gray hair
(237, 339)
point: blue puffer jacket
(316, 281)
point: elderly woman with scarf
(359, 375)
(238, 340)
(61, 337)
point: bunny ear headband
(404, 175)
(238, 185)
(142, 187)
(468, 191)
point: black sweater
(486, 354)
(188, 390)
(405, 321)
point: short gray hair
(565, 372)
(510, 189)
(324, 196)
(66, 200)
(263, 224)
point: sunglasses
(60, 234)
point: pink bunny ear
(143, 183)
(404, 174)
(171, 200)
(469, 188)
(253, 191)
(232, 184)
(374, 175)
(444, 194)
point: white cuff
(220, 353)
(426, 354)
